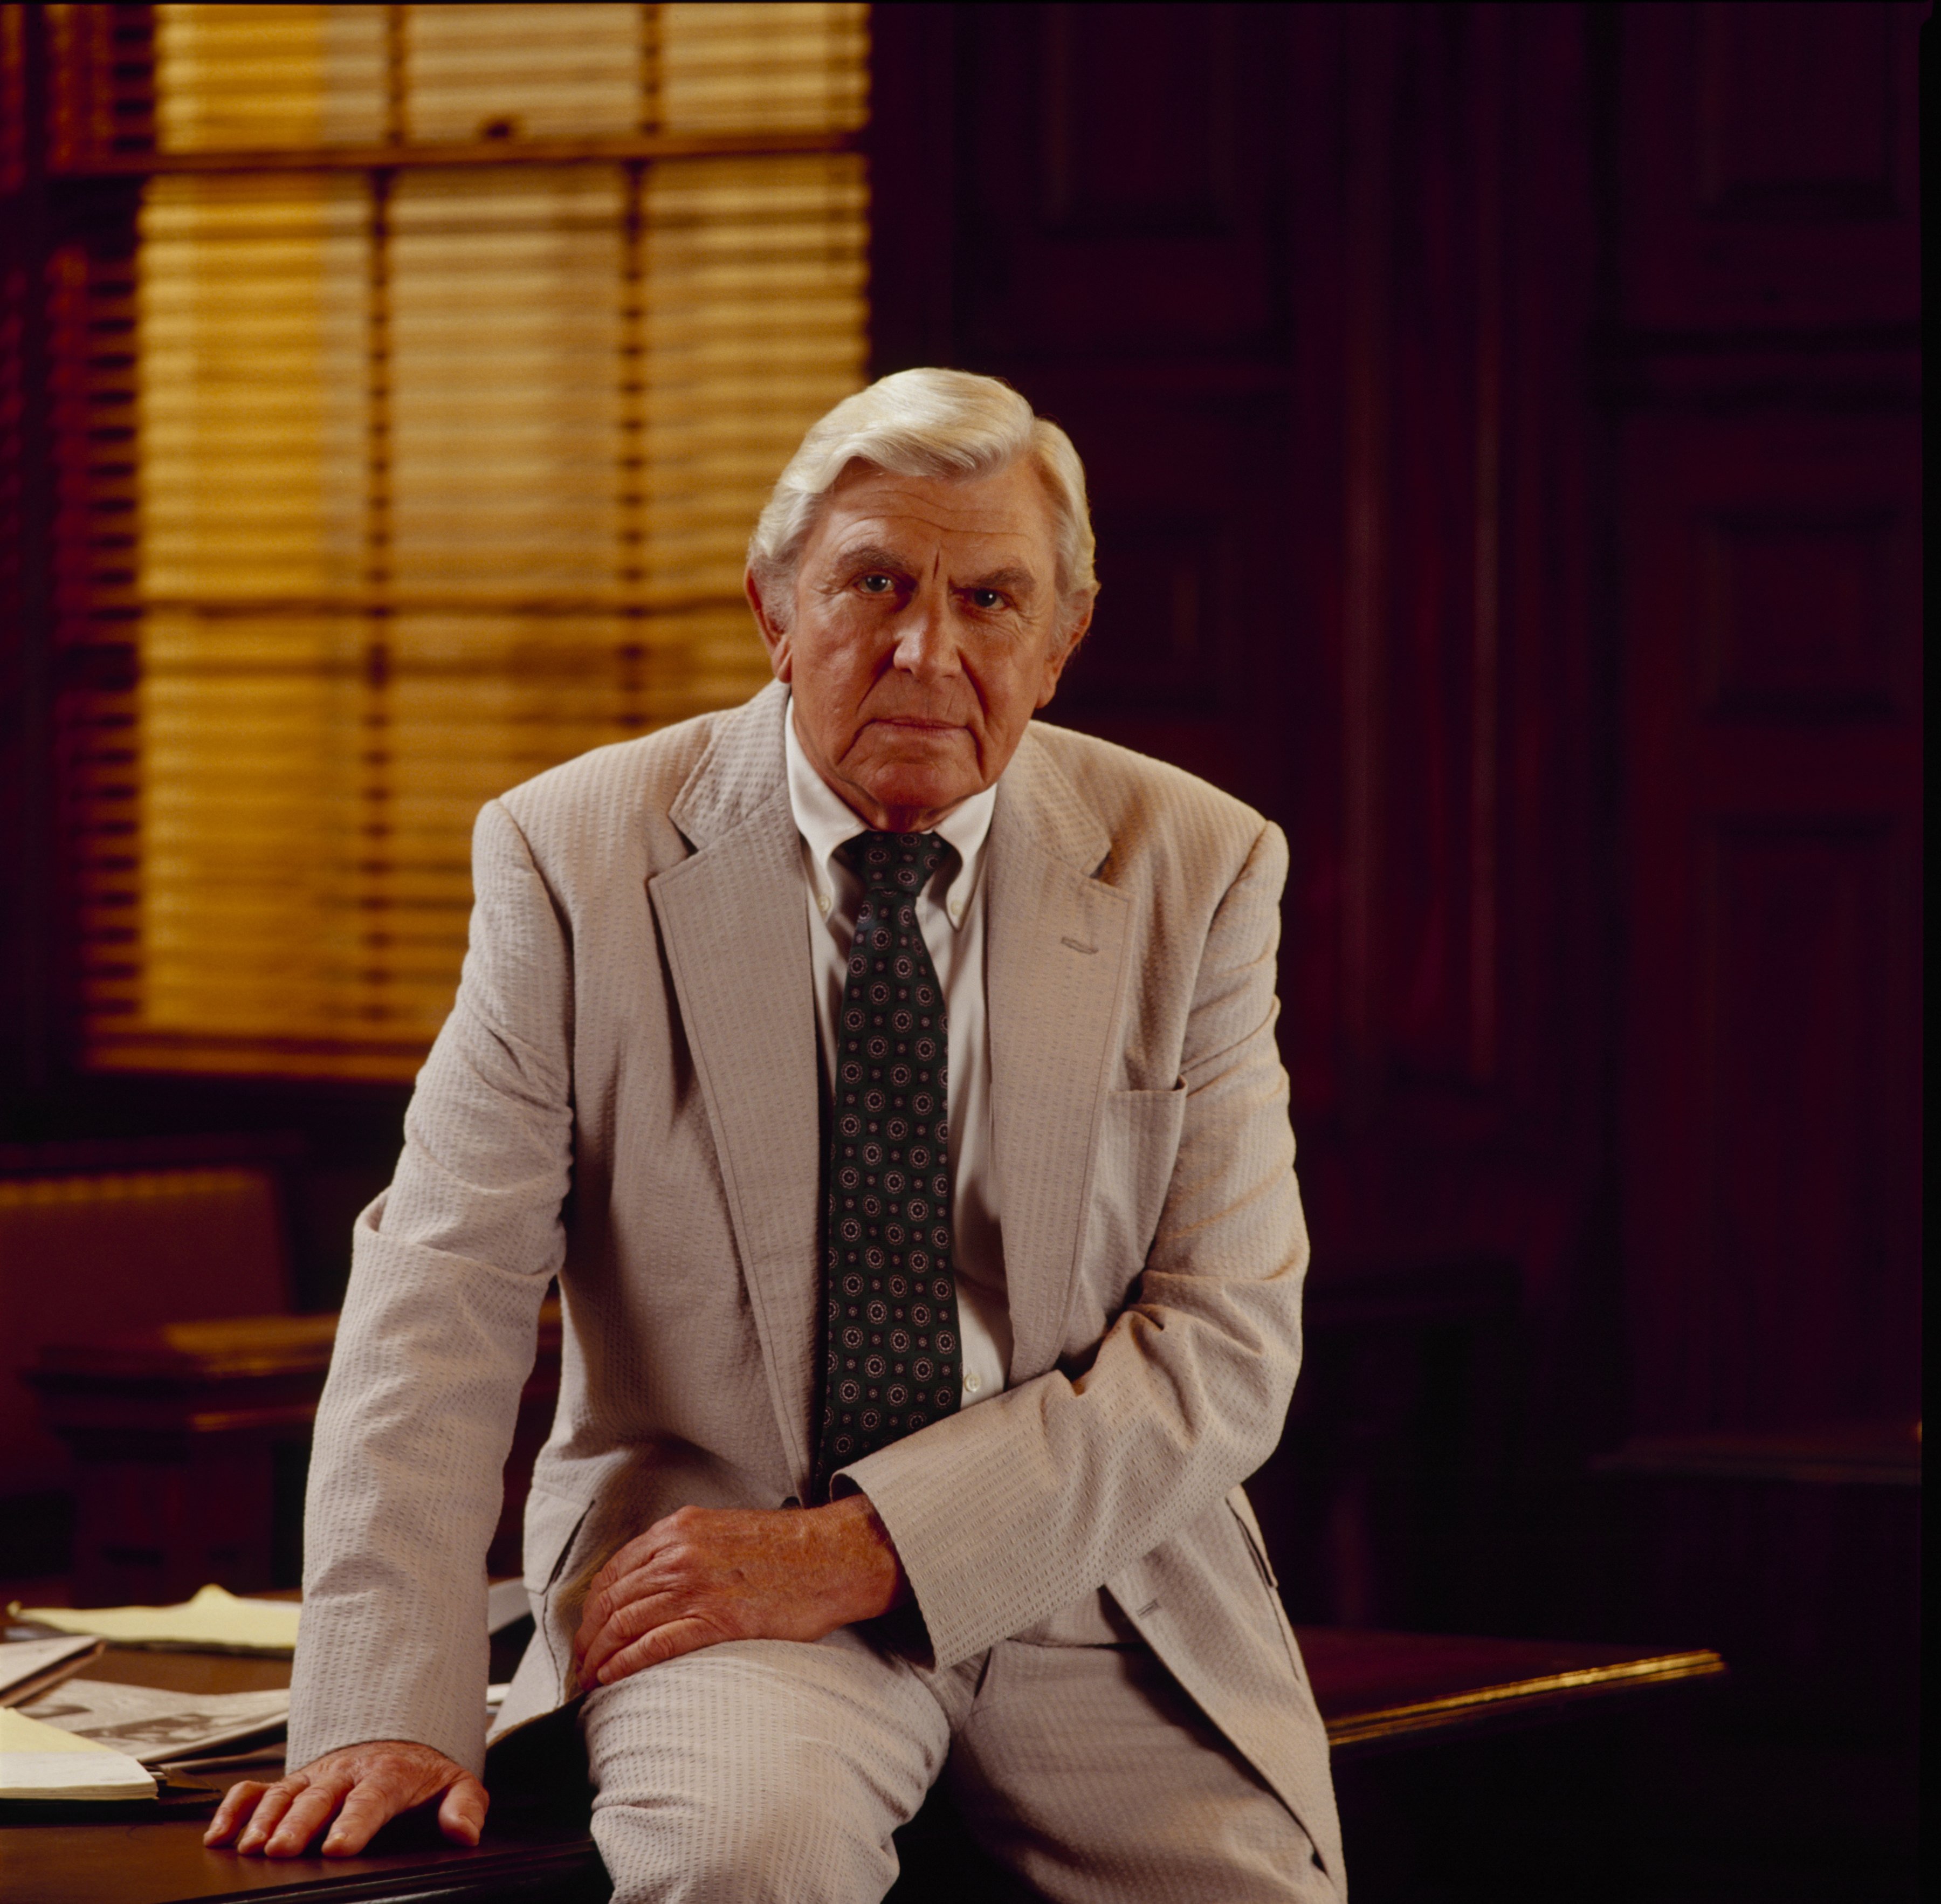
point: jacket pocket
(553, 1522)
(1242, 1509)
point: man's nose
(926, 635)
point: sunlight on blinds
(771, 68)
(445, 475)
(239, 77)
(467, 67)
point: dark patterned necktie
(891, 1359)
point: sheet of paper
(42, 1762)
(214, 1622)
(264, 1761)
(152, 1724)
(30, 1666)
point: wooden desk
(1390, 1692)
(1376, 1690)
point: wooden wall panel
(1452, 1109)
(1758, 376)
(1773, 754)
(1770, 154)
(1123, 184)
(1185, 657)
(1808, 619)
(1808, 1020)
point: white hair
(947, 423)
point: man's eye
(876, 584)
(986, 598)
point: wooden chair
(85, 1253)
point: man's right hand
(362, 1787)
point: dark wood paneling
(1137, 121)
(1183, 656)
(1796, 111)
(1804, 925)
(1773, 1008)
(1123, 180)
(1438, 1041)
(1806, 618)
(27, 957)
(1171, 583)
(911, 141)
(1771, 153)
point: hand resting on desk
(362, 1787)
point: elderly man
(890, 1083)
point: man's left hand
(705, 1575)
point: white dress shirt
(951, 916)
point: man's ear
(782, 659)
(1074, 633)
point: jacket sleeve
(449, 1267)
(1011, 1510)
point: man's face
(926, 633)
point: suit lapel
(732, 919)
(1055, 946)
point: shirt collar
(825, 821)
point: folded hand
(705, 1575)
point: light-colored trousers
(767, 1769)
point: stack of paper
(213, 1622)
(41, 1762)
(29, 1667)
(157, 1726)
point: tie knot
(894, 862)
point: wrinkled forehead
(1006, 517)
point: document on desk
(153, 1725)
(29, 1667)
(214, 1622)
(39, 1762)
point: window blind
(422, 435)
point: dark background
(1505, 435)
(1504, 430)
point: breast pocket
(1139, 1141)
(553, 1525)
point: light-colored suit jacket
(627, 1095)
